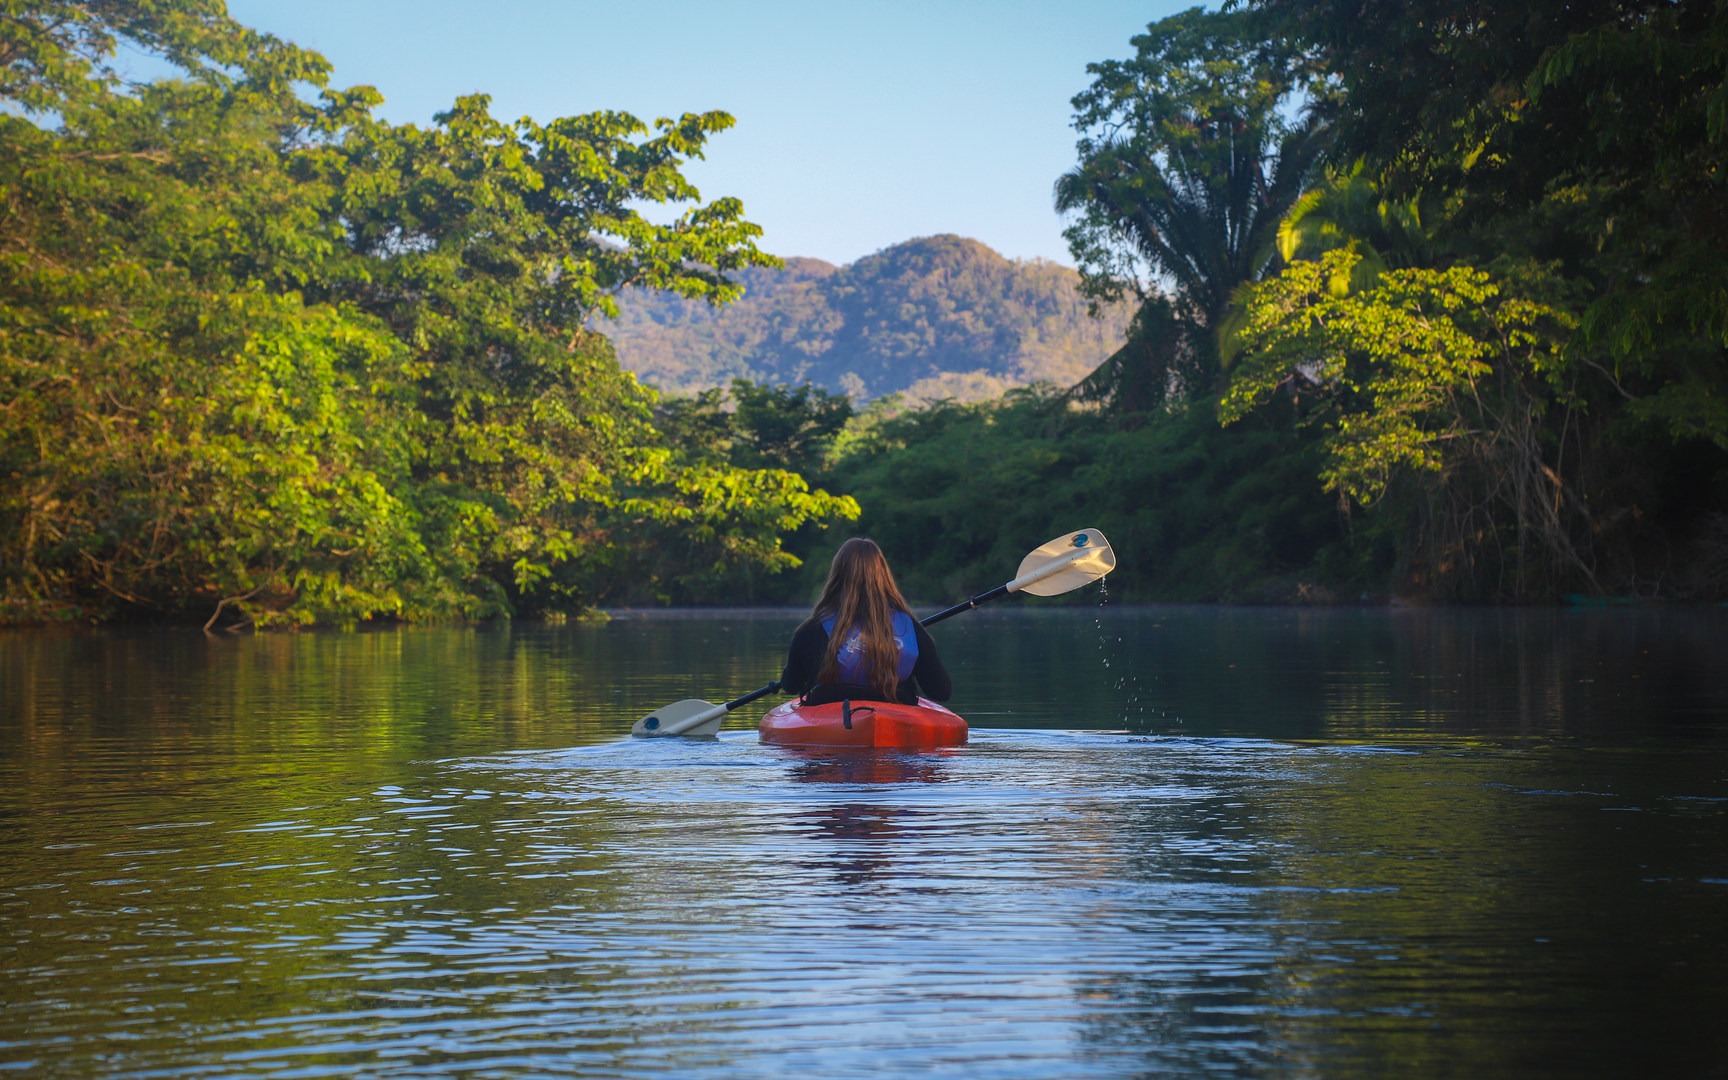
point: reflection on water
(1333, 843)
(846, 765)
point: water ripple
(1037, 903)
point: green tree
(58, 54)
(180, 431)
(490, 246)
(1590, 133)
(1443, 379)
(758, 426)
(1587, 137)
(772, 431)
(789, 428)
(1196, 512)
(284, 363)
(1190, 153)
(1348, 209)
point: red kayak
(865, 723)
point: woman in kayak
(861, 641)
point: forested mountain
(940, 316)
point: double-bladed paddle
(1063, 565)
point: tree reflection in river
(1337, 842)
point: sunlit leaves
(276, 363)
(1398, 368)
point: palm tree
(1190, 155)
(1348, 208)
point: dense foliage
(783, 431)
(1454, 269)
(933, 318)
(1426, 300)
(1190, 154)
(1446, 375)
(272, 362)
(1534, 365)
(960, 493)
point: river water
(1262, 842)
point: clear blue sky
(859, 124)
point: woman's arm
(804, 657)
(933, 680)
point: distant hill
(941, 316)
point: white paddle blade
(1064, 564)
(691, 717)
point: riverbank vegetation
(1450, 277)
(265, 361)
(1429, 304)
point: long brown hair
(860, 594)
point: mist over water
(1305, 841)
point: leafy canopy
(1399, 368)
(279, 362)
(1190, 153)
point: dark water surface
(1323, 843)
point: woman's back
(861, 640)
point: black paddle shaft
(966, 605)
(753, 695)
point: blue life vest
(850, 656)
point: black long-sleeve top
(810, 645)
